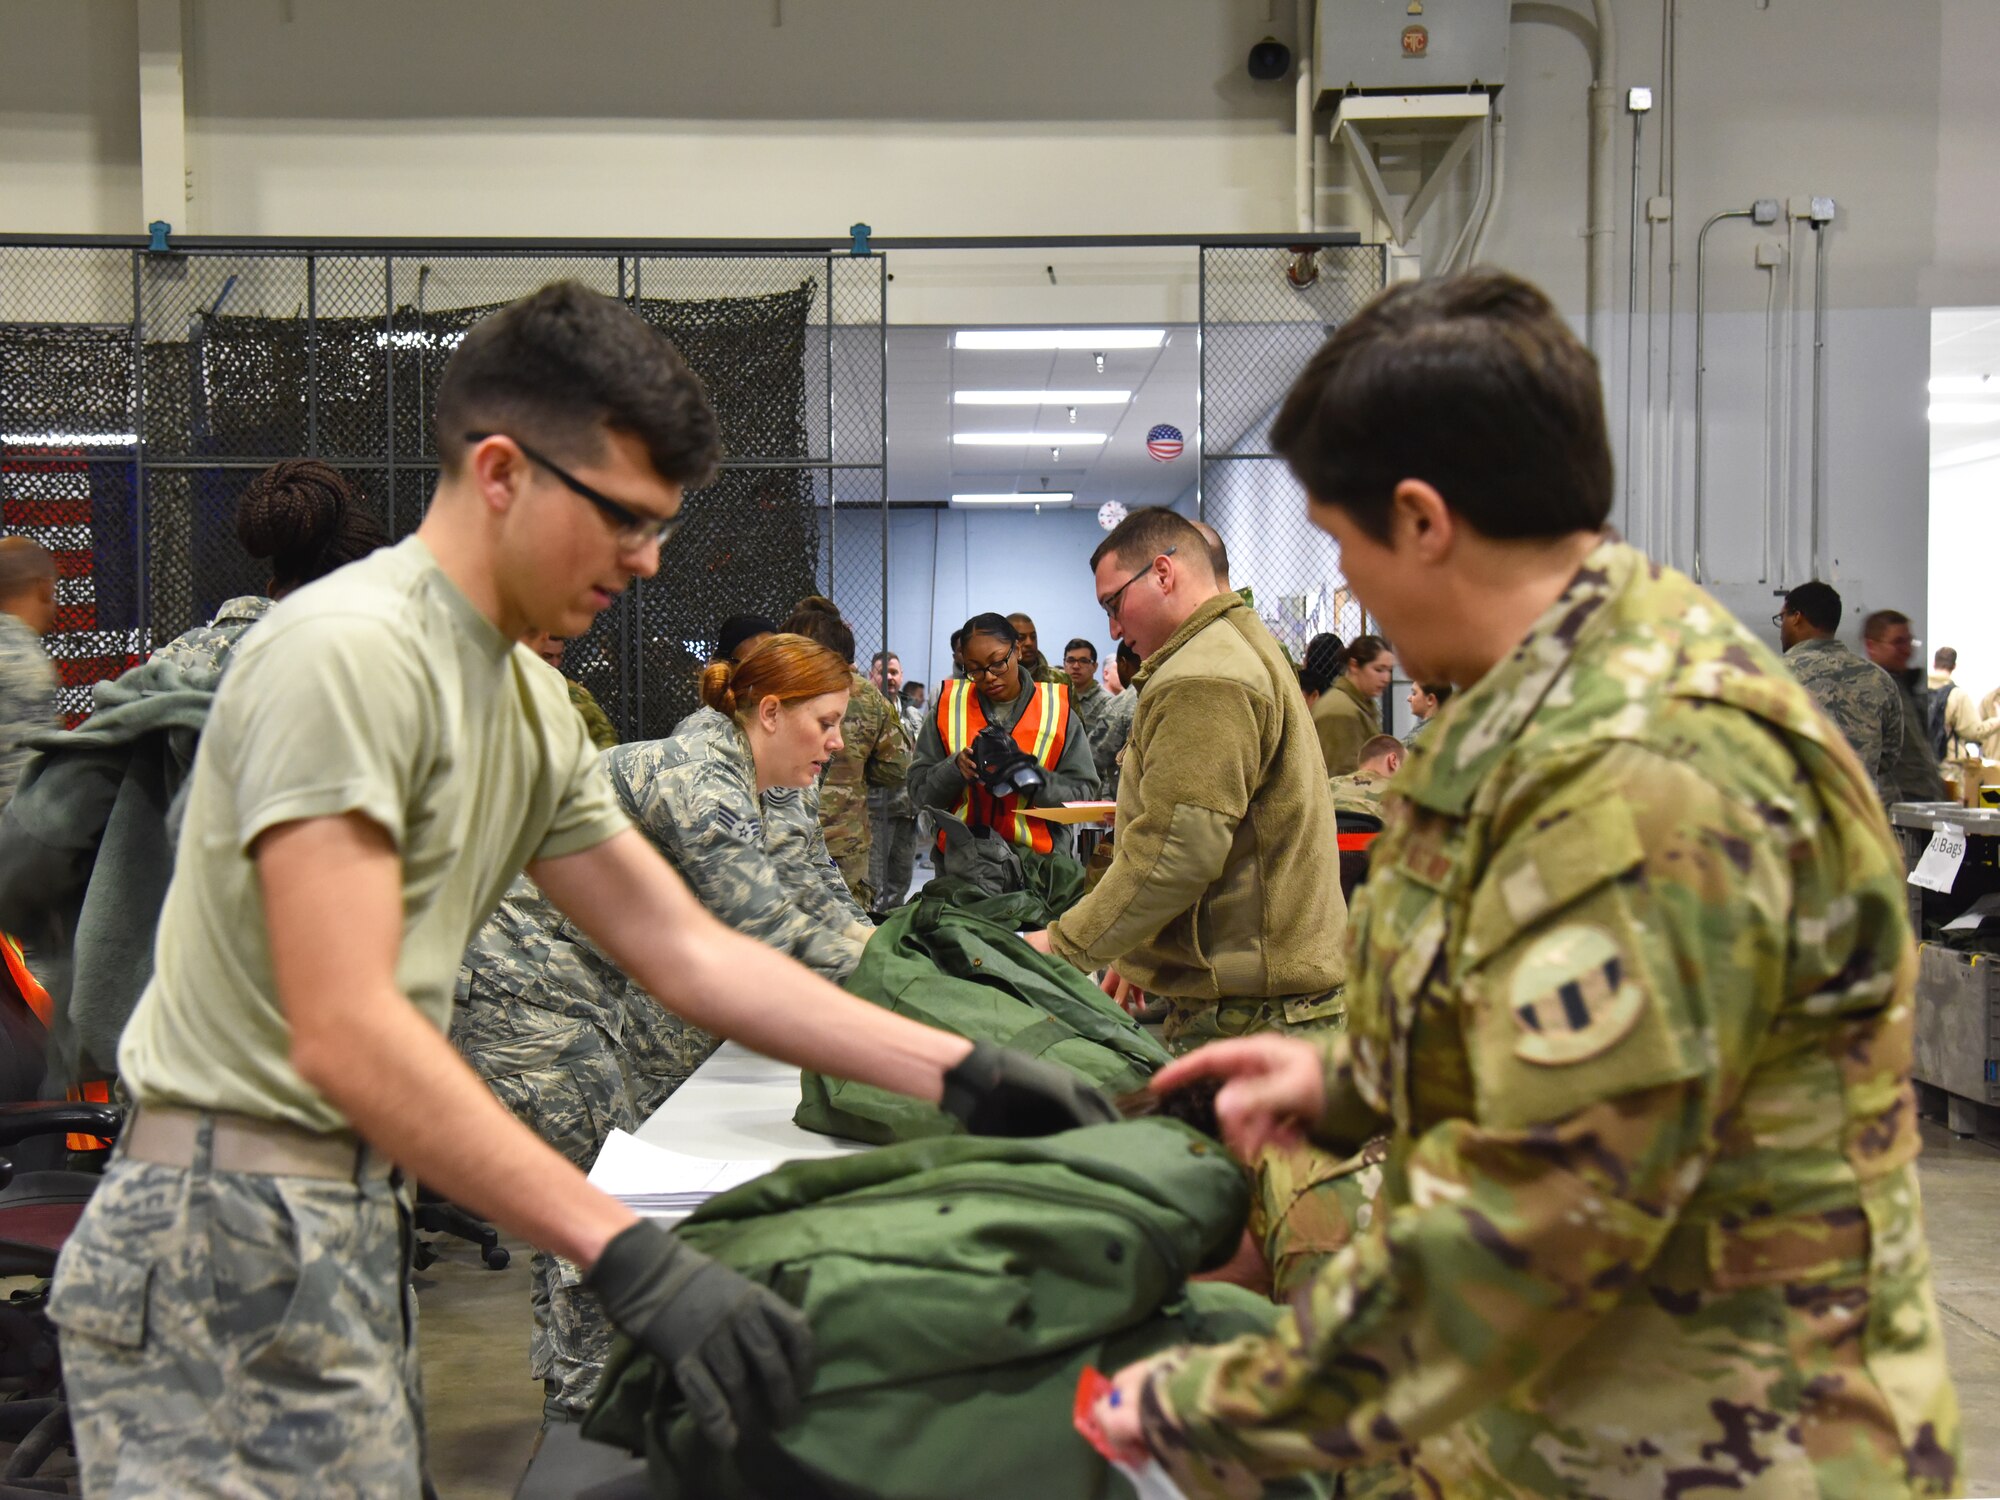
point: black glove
(725, 1338)
(997, 1092)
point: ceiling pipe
(1600, 269)
(1302, 124)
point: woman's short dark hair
(557, 366)
(999, 627)
(1473, 384)
(1363, 649)
(1441, 691)
(1325, 657)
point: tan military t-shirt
(379, 690)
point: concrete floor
(485, 1412)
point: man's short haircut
(816, 619)
(883, 658)
(1473, 384)
(1881, 623)
(1080, 644)
(1218, 551)
(913, 693)
(1129, 663)
(1946, 659)
(1818, 603)
(555, 367)
(1381, 745)
(1150, 532)
(24, 563)
(1440, 691)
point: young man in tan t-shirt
(382, 759)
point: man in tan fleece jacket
(1223, 896)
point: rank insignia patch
(1571, 997)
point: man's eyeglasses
(1111, 603)
(990, 670)
(1778, 619)
(633, 528)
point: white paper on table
(665, 1184)
(1938, 868)
(1150, 1481)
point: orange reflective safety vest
(1041, 730)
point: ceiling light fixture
(1041, 398)
(1022, 439)
(1964, 413)
(1043, 497)
(1964, 385)
(1059, 338)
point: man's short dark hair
(1881, 623)
(1473, 384)
(1818, 603)
(1080, 644)
(555, 367)
(1129, 663)
(1946, 659)
(883, 658)
(1151, 532)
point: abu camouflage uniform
(1861, 700)
(205, 650)
(875, 752)
(27, 698)
(541, 1018)
(1358, 792)
(757, 863)
(892, 827)
(1632, 991)
(1107, 719)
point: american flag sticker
(1164, 443)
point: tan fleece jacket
(1224, 880)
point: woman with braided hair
(306, 519)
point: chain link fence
(140, 393)
(1264, 311)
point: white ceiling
(926, 465)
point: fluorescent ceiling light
(1964, 385)
(70, 439)
(1093, 339)
(1037, 439)
(1046, 497)
(1041, 398)
(1964, 413)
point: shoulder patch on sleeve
(744, 829)
(1571, 997)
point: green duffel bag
(956, 1289)
(956, 964)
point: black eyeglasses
(1111, 604)
(633, 528)
(1778, 618)
(991, 669)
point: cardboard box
(1978, 781)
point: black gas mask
(1003, 767)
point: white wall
(947, 565)
(1965, 517)
(624, 117)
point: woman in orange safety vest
(1037, 714)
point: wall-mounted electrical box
(1410, 47)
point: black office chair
(38, 1212)
(439, 1215)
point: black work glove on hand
(725, 1338)
(998, 1092)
